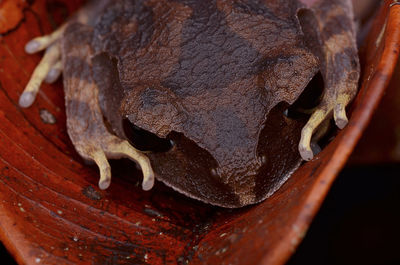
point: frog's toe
(105, 170)
(112, 147)
(54, 73)
(41, 43)
(49, 68)
(123, 149)
(339, 112)
(46, 70)
(322, 115)
(315, 120)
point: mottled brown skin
(214, 77)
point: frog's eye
(308, 100)
(145, 140)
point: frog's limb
(50, 59)
(41, 43)
(331, 104)
(101, 145)
(306, 133)
(318, 123)
(104, 167)
(88, 133)
(85, 121)
(339, 112)
(50, 67)
(330, 34)
(86, 15)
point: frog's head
(220, 100)
(230, 145)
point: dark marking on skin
(208, 61)
(343, 61)
(114, 20)
(87, 126)
(258, 7)
(326, 8)
(337, 25)
(238, 137)
(309, 25)
(75, 62)
(79, 106)
(76, 36)
(150, 98)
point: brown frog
(204, 85)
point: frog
(197, 93)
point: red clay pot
(380, 143)
(51, 210)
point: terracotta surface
(52, 212)
(380, 144)
(11, 14)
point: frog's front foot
(331, 35)
(86, 126)
(49, 68)
(330, 104)
(341, 71)
(103, 145)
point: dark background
(359, 222)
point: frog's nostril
(308, 100)
(145, 140)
